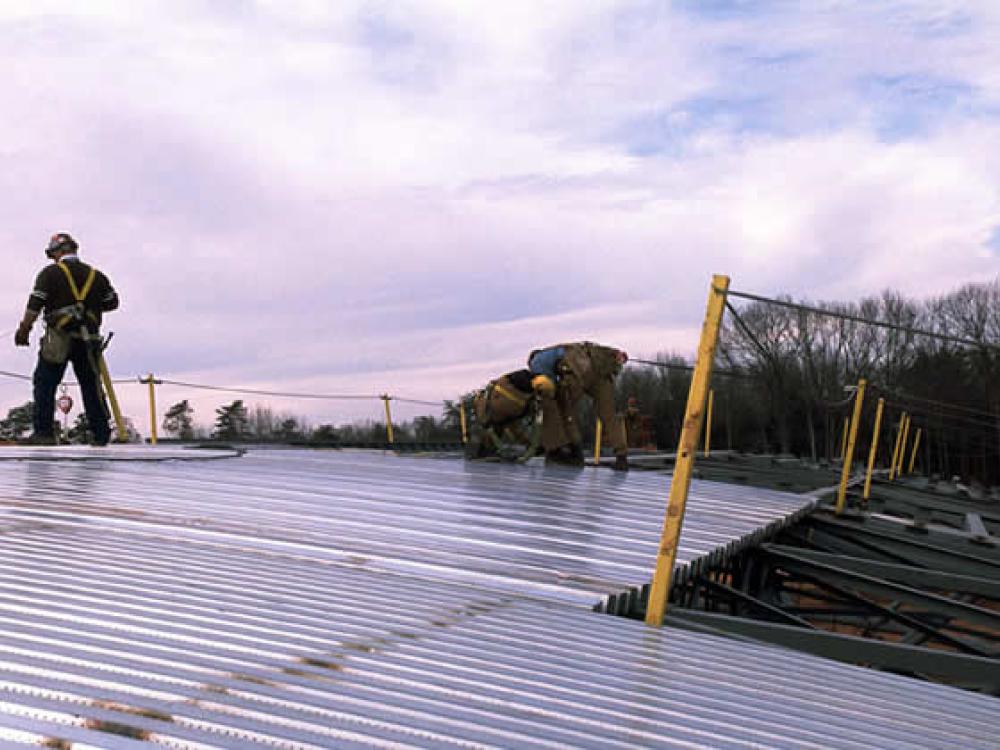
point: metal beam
(912, 576)
(961, 669)
(775, 613)
(857, 581)
(927, 550)
(907, 620)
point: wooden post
(845, 471)
(873, 450)
(598, 430)
(694, 416)
(388, 418)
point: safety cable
(857, 319)
(401, 400)
(940, 404)
(749, 334)
(682, 368)
(955, 419)
(255, 392)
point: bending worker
(561, 376)
(72, 296)
(500, 409)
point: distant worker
(561, 375)
(500, 409)
(72, 296)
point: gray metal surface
(298, 600)
(131, 452)
(115, 636)
(554, 532)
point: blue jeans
(48, 377)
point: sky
(407, 197)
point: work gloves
(21, 337)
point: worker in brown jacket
(562, 374)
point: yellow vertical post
(895, 450)
(598, 434)
(694, 415)
(152, 408)
(873, 450)
(461, 420)
(109, 391)
(708, 422)
(845, 471)
(902, 447)
(916, 444)
(388, 418)
(843, 437)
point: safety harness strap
(77, 311)
(508, 394)
(78, 294)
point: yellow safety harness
(79, 294)
(508, 394)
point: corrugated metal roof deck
(208, 605)
(109, 636)
(556, 532)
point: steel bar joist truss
(974, 672)
(893, 592)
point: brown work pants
(559, 425)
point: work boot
(576, 455)
(38, 440)
(621, 463)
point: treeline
(782, 375)
(237, 422)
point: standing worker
(73, 296)
(561, 376)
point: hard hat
(543, 385)
(61, 242)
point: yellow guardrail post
(895, 450)
(902, 447)
(109, 391)
(708, 422)
(598, 434)
(845, 471)
(843, 437)
(152, 407)
(386, 398)
(462, 421)
(916, 444)
(694, 415)
(873, 450)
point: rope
(858, 319)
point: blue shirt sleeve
(546, 361)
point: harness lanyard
(78, 294)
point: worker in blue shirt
(561, 376)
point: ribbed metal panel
(112, 636)
(283, 600)
(553, 532)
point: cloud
(411, 196)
